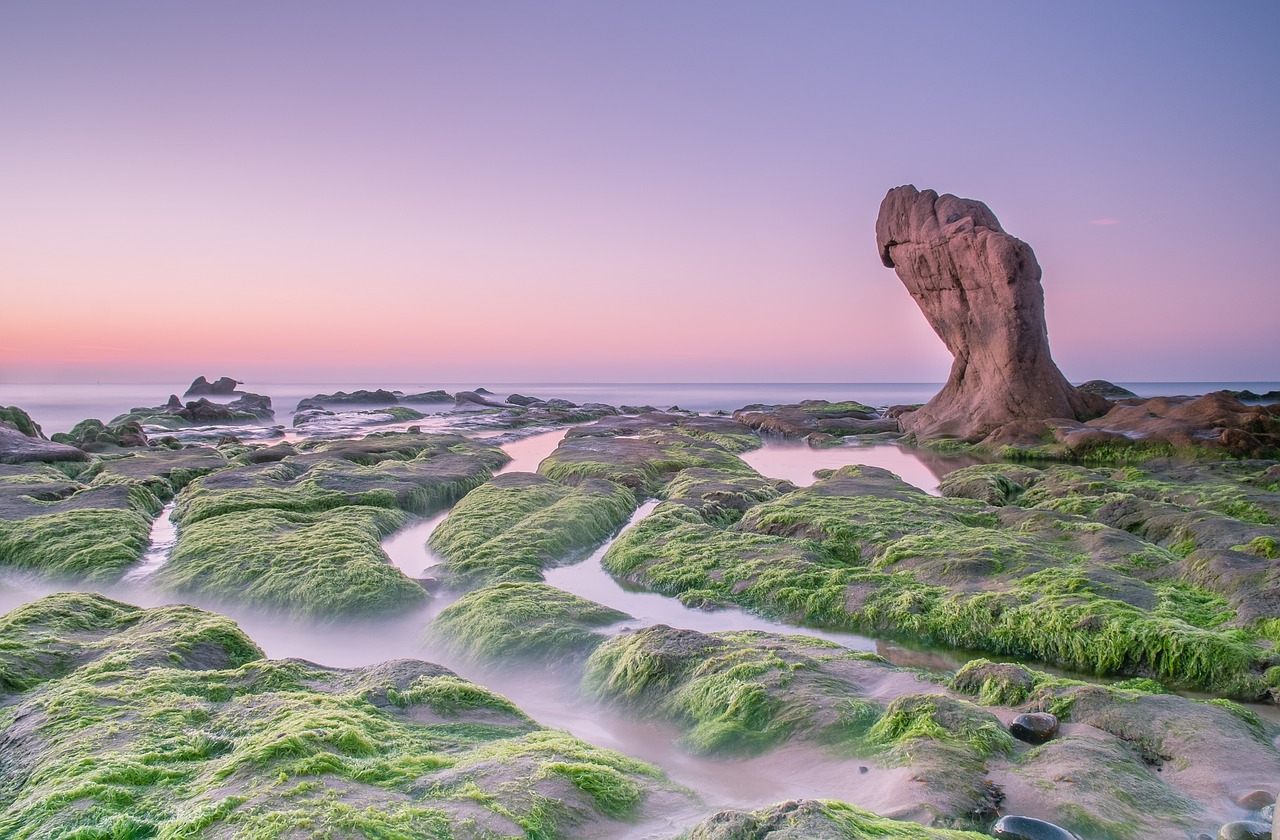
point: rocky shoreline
(1110, 570)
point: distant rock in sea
(201, 387)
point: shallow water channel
(551, 695)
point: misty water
(552, 696)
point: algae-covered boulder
(302, 533)
(167, 723)
(90, 522)
(644, 452)
(812, 818)
(95, 436)
(519, 523)
(509, 621)
(737, 692)
(815, 417)
(1132, 760)
(862, 549)
(22, 441)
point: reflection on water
(164, 536)
(796, 461)
(526, 453)
(407, 548)
(588, 579)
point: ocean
(58, 407)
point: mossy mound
(1129, 783)
(750, 692)
(643, 453)
(519, 523)
(314, 565)
(127, 736)
(736, 692)
(814, 818)
(520, 620)
(95, 436)
(91, 521)
(48, 639)
(415, 473)
(20, 420)
(816, 417)
(302, 533)
(1221, 522)
(861, 549)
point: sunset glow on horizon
(578, 191)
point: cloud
(1106, 221)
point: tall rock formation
(980, 289)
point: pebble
(1034, 728)
(1245, 830)
(1029, 828)
(1256, 800)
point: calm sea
(58, 407)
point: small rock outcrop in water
(980, 289)
(202, 387)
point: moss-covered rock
(20, 420)
(816, 417)
(861, 549)
(518, 620)
(1145, 764)
(301, 533)
(812, 818)
(165, 723)
(643, 453)
(93, 526)
(315, 565)
(736, 692)
(519, 523)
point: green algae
(301, 533)
(519, 523)
(94, 545)
(520, 619)
(643, 463)
(305, 564)
(817, 818)
(859, 549)
(130, 737)
(20, 420)
(936, 721)
(732, 692)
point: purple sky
(607, 191)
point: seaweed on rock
(150, 723)
(301, 532)
(521, 619)
(861, 549)
(519, 523)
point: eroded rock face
(980, 289)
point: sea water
(58, 407)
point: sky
(621, 192)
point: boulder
(17, 448)
(980, 289)
(1034, 727)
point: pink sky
(581, 191)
